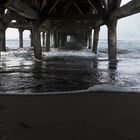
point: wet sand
(92, 115)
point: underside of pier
(60, 18)
(29, 112)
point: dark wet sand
(86, 116)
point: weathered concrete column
(48, 41)
(95, 40)
(90, 39)
(2, 39)
(59, 39)
(3, 27)
(112, 40)
(55, 39)
(43, 38)
(51, 37)
(36, 41)
(20, 37)
(84, 39)
(81, 39)
(31, 37)
(63, 39)
(87, 39)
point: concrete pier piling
(95, 39)
(20, 37)
(2, 36)
(90, 39)
(55, 39)
(37, 42)
(2, 40)
(112, 40)
(31, 37)
(48, 40)
(43, 38)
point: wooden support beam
(80, 11)
(20, 25)
(36, 41)
(112, 40)
(20, 37)
(53, 6)
(67, 6)
(97, 4)
(22, 9)
(11, 16)
(47, 10)
(92, 5)
(89, 17)
(95, 40)
(128, 9)
(75, 26)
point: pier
(58, 19)
(68, 98)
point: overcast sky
(128, 28)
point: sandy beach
(92, 115)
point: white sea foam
(107, 87)
(84, 53)
(115, 88)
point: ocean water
(127, 72)
(13, 44)
(71, 70)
